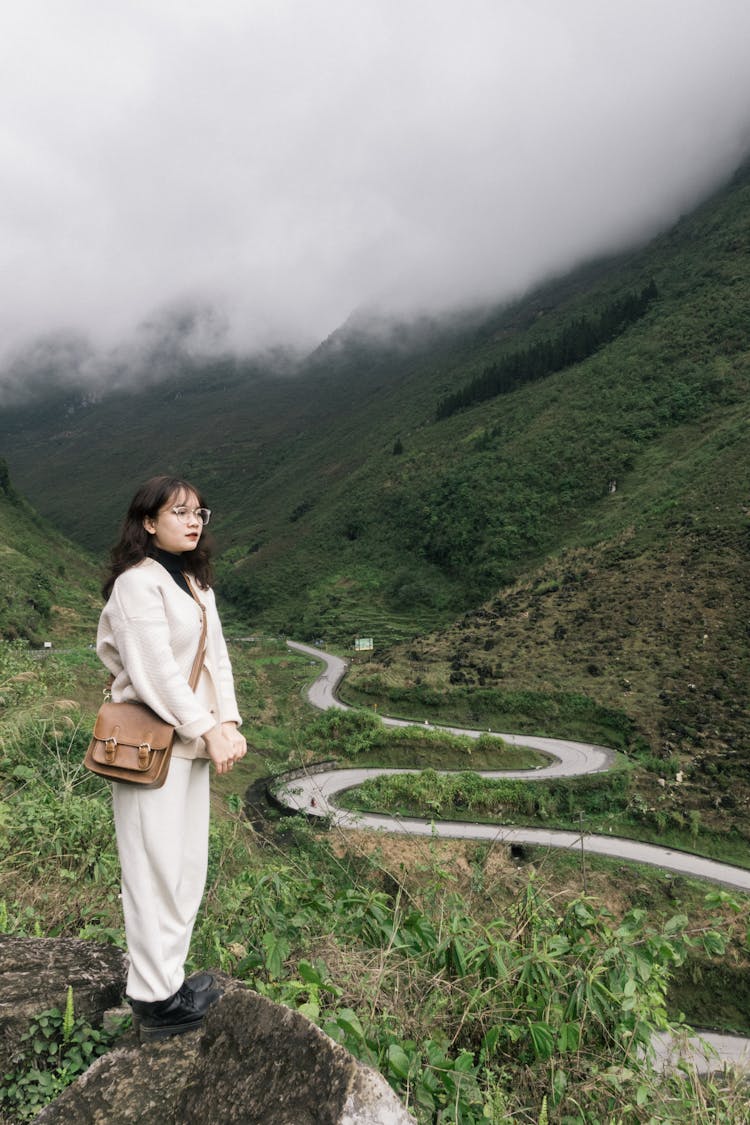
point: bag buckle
(110, 750)
(144, 749)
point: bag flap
(132, 724)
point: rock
(253, 1062)
(282, 1068)
(129, 1084)
(35, 974)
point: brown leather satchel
(131, 743)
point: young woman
(148, 636)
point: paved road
(314, 794)
(706, 1050)
(322, 692)
(571, 759)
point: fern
(68, 1016)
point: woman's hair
(136, 544)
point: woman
(148, 636)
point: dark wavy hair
(135, 543)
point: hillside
(343, 505)
(50, 588)
(568, 556)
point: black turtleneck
(174, 564)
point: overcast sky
(291, 160)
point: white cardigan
(148, 636)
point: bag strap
(200, 655)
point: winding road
(314, 794)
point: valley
(565, 559)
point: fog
(283, 163)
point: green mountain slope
(576, 549)
(49, 587)
(344, 506)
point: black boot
(201, 982)
(177, 1014)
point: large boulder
(253, 1062)
(35, 974)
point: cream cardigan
(147, 638)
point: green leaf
(349, 1021)
(333, 1031)
(436, 1056)
(277, 950)
(559, 1085)
(722, 898)
(714, 943)
(24, 773)
(398, 1061)
(569, 1038)
(309, 973)
(542, 1040)
(464, 1064)
(489, 1042)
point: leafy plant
(455, 1011)
(52, 1053)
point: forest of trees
(576, 342)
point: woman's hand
(237, 740)
(225, 746)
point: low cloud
(285, 163)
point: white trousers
(162, 839)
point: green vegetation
(480, 998)
(49, 587)
(360, 735)
(573, 344)
(557, 559)
(565, 714)
(55, 1050)
(612, 803)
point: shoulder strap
(201, 652)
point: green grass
(563, 715)
(340, 927)
(410, 753)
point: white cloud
(293, 160)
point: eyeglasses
(183, 514)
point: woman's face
(176, 527)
